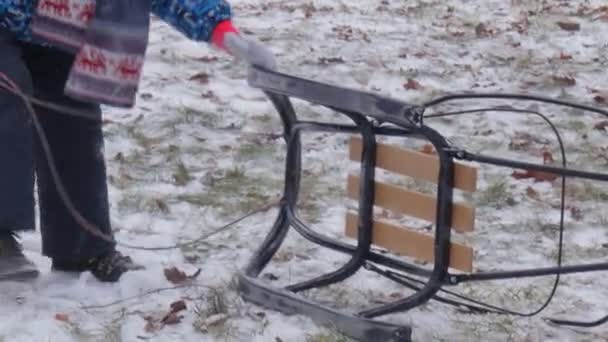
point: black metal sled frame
(373, 115)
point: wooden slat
(404, 241)
(415, 164)
(414, 204)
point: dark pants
(77, 145)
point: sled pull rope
(7, 84)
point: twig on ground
(142, 295)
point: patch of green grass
(331, 336)
(109, 332)
(496, 195)
(192, 115)
(182, 176)
(313, 194)
(236, 192)
(266, 118)
(236, 174)
(213, 315)
(197, 199)
(585, 191)
(254, 151)
(141, 201)
(576, 126)
(141, 139)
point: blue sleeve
(194, 18)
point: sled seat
(400, 239)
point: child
(80, 54)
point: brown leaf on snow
(154, 324)
(178, 306)
(532, 193)
(538, 176)
(525, 141)
(151, 325)
(601, 126)
(576, 213)
(209, 94)
(482, 31)
(331, 60)
(548, 158)
(522, 25)
(62, 317)
(564, 80)
(564, 56)
(412, 84)
(177, 276)
(201, 77)
(569, 25)
(600, 13)
(172, 318)
(601, 96)
(207, 59)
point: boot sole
(20, 276)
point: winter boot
(106, 268)
(14, 265)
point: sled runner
(393, 250)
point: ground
(201, 149)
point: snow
(222, 133)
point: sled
(423, 262)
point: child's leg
(77, 145)
(16, 156)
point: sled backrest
(404, 240)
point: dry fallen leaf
(151, 325)
(412, 84)
(601, 126)
(532, 193)
(207, 59)
(62, 317)
(569, 25)
(601, 96)
(482, 31)
(564, 80)
(154, 324)
(331, 60)
(178, 306)
(177, 276)
(576, 213)
(201, 77)
(172, 318)
(538, 176)
(209, 94)
(548, 158)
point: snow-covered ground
(200, 149)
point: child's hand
(226, 37)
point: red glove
(226, 37)
(219, 32)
